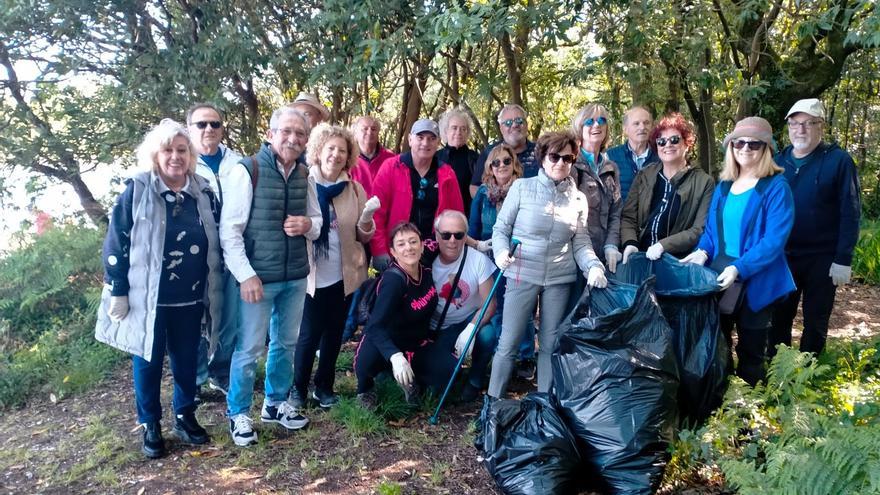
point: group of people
(210, 255)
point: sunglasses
(510, 122)
(599, 120)
(555, 157)
(496, 163)
(753, 145)
(215, 124)
(661, 142)
(447, 235)
(423, 184)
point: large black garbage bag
(527, 447)
(687, 294)
(615, 379)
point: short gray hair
(634, 108)
(285, 110)
(450, 214)
(357, 122)
(198, 106)
(162, 135)
(454, 113)
(511, 106)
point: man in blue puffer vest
(270, 213)
(827, 207)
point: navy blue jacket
(627, 166)
(762, 265)
(826, 203)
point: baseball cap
(425, 125)
(811, 106)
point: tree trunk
(514, 77)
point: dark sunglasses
(423, 184)
(496, 163)
(446, 235)
(599, 120)
(661, 142)
(215, 124)
(510, 122)
(555, 157)
(753, 145)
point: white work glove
(484, 246)
(118, 308)
(370, 208)
(698, 257)
(596, 277)
(462, 340)
(612, 256)
(504, 260)
(628, 251)
(840, 274)
(403, 372)
(655, 251)
(727, 277)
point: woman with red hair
(666, 207)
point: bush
(866, 257)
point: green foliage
(389, 488)
(866, 257)
(812, 429)
(357, 420)
(345, 361)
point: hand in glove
(118, 308)
(698, 257)
(655, 251)
(596, 277)
(370, 208)
(727, 277)
(840, 274)
(504, 260)
(484, 246)
(403, 372)
(462, 340)
(612, 256)
(628, 251)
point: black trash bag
(615, 380)
(526, 446)
(688, 297)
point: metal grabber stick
(514, 243)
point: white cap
(425, 125)
(810, 106)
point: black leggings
(752, 329)
(322, 324)
(432, 365)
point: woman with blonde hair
(751, 215)
(338, 263)
(503, 168)
(162, 273)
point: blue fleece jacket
(762, 265)
(622, 156)
(826, 203)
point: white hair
(159, 136)
(511, 106)
(286, 110)
(454, 113)
(450, 214)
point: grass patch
(108, 455)
(345, 361)
(439, 472)
(389, 488)
(357, 420)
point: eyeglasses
(423, 184)
(555, 157)
(661, 142)
(753, 145)
(510, 122)
(599, 120)
(215, 124)
(496, 163)
(447, 235)
(807, 124)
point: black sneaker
(325, 400)
(283, 414)
(154, 444)
(241, 428)
(526, 369)
(368, 400)
(469, 393)
(297, 399)
(189, 430)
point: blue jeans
(217, 366)
(484, 345)
(176, 330)
(285, 300)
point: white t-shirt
(328, 270)
(466, 299)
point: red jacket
(366, 169)
(393, 187)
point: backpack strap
(255, 173)
(454, 288)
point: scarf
(325, 195)
(496, 193)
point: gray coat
(603, 197)
(551, 222)
(134, 334)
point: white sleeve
(485, 267)
(238, 194)
(313, 210)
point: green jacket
(693, 187)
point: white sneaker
(284, 414)
(241, 427)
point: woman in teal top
(751, 215)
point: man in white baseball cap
(819, 251)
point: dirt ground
(91, 444)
